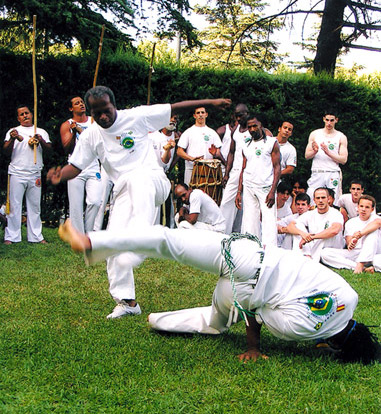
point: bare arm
(332, 231)
(312, 148)
(166, 155)
(47, 146)
(275, 157)
(288, 170)
(182, 154)
(253, 337)
(369, 228)
(185, 106)
(68, 135)
(185, 216)
(58, 175)
(238, 199)
(229, 162)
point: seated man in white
(319, 228)
(360, 251)
(283, 200)
(349, 201)
(302, 203)
(203, 212)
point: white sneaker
(124, 309)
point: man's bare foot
(7, 242)
(43, 242)
(79, 242)
(369, 269)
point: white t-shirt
(206, 208)
(288, 155)
(346, 201)
(22, 159)
(259, 169)
(125, 146)
(356, 224)
(94, 166)
(316, 222)
(321, 161)
(196, 141)
(159, 140)
(239, 138)
(299, 299)
(285, 210)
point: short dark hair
(69, 102)
(302, 182)
(369, 198)
(283, 122)
(355, 181)
(195, 109)
(283, 187)
(331, 111)
(259, 117)
(331, 192)
(22, 106)
(303, 197)
(98, 92)
(361, 345)
(323, 188)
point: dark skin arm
(253, 337)
(275, 157)
(68, 133)
(229, 162)
(216, 153)
(47, 146)
(8, 145)
(185, 216)
(238, 199)
(185, 106)
(58, 175)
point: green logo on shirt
(331, 147)
(320, 304)
(206, 138)
(258, 152)
(127, 141)
(335, 183)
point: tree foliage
(222, 43)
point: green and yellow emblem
(320, 304)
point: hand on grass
(252, 354)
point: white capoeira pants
(347, 259)
(198, 248)
(107, 185)
(136, 196)
(198, 225)
(315, 247)
(329, 179)
(254, 201)
(85, 184)
(31, 187)
(228, 207)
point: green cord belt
(226, 253)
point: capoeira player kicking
(295, 297)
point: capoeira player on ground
(119, 139)
(361, 251)
(296, 298)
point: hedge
(298, 98)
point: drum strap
(226, 253)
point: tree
(227, 19)
(361, 16)
(64, 21)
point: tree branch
(362, 26)
(370, 48)
(365, 6)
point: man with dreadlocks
(296, 298)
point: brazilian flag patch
(320, 304)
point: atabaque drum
(207, 176)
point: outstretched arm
(185, 106)
(58, 175)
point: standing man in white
(258, 181)
(328, 148)
(119, 139)
(198, 142)
(88, 182)
(287, 150)
(25, 176)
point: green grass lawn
(58, 353)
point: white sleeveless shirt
(321, 160)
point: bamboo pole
(99, 56)
(150, 74)
(34, 87)
(8, 204)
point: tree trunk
(329, 40)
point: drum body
(207, 176)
